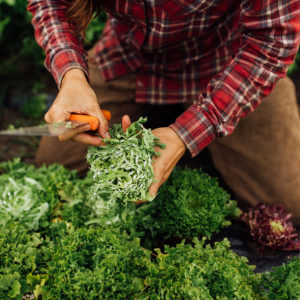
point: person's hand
(76, 96)
(169, 156)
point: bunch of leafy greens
(122, 169)
(93, 263)
(32, 196)
(283, 282)
(19, 260)
(190, 203)
(201, 272)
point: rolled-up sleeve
(270, 41)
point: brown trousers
(259, 162)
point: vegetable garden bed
(60, 238)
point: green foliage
(30, 195)
(201, 272)
(122, 169)
(96, 262)
(89, 263)
(189, 204)
(34, 107)
(19, 257)
(94, 30)
(63, 258)
(283, 282)
(21, 57)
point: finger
(88, 139)
(103, 125)
(153, 189)
(161, 177)
(158, 170)
(125, 122)
(73, 132)
(139, 201)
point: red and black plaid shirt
(222, 55)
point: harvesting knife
(64, 130)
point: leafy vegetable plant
(271, 227)
(56, 255)
(283, 282)
(103, 262)
(189, 204)
(31, 196)
(201, 272)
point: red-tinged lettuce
(271, 227)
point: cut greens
(122, 169)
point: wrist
(71, 75)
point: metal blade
(55, 129)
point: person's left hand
(169, 156)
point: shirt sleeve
(64, 49)
(270, 41)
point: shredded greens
(122, 169)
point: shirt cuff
(195, 129)
(65, 60)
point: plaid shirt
(222, 56)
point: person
(197, 69)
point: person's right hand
(76, 96)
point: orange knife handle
(93, 121)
